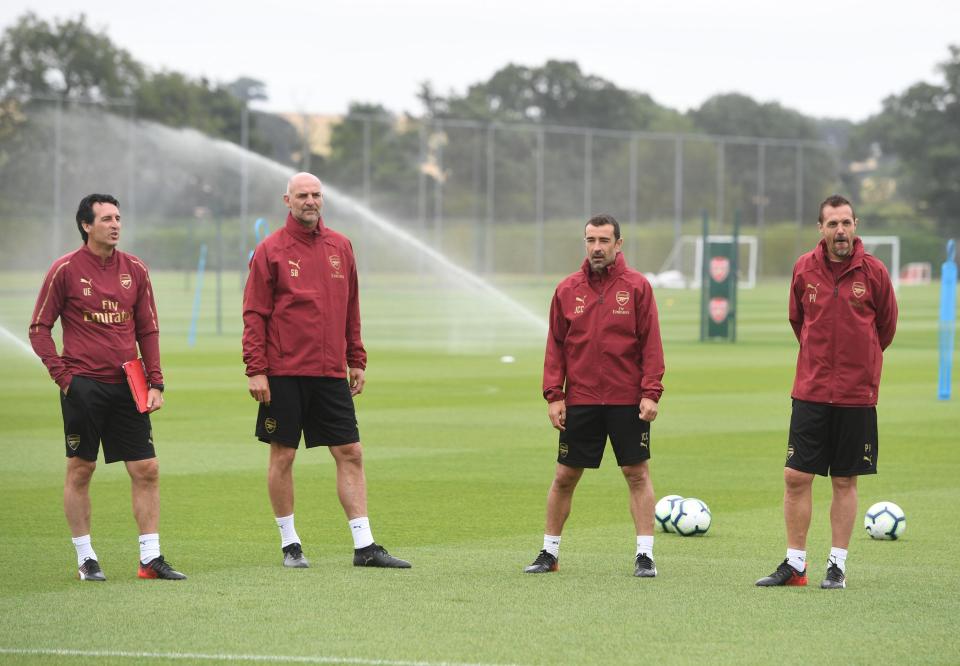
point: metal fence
(496, 197)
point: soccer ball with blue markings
(885, 520)
(690, 517)
(663, 510)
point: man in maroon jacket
(104, 301)
(602, 377)
(844, 313)
(305, 363)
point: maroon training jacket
(603, 347)
(301, 305)
(106, 309)
(843, 325)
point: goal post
(685, 261)
(887, 250)
(687, 258)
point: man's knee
(348, 454)
(636, 475)
(566, 478)
(844, 484)
(144, 471)
(281, 457)
(796, 481)
(79, 472)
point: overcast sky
(834, 58)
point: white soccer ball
(663, 510)
(690, 517)
(885, 520)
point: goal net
(684, 266)
(887, 250)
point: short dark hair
(602, 219)
(835, 201)
(85, 210)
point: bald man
(305, 363)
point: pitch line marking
(281, 659)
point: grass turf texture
(459, 456)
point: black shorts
(319, 407)
(93, 412)
(587, 429)
(841, 441)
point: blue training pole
(201, 266)
(260, 231)
(948, 317)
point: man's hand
(648, 409)
(259, 388)
(357, 381)
(154, 400)
(557, 412)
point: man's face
(838, 228)
(602, 248)
(305, 199)
(105, 228)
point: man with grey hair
(305, 362)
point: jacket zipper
(833, 338)
(599, 338)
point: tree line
(912, 147)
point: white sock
(797, 559)
(288, 533)
(84, 549)
(645, 546)
(838, 556)
(149, 547)
(362, 534)
(551, 544)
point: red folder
(137, 381)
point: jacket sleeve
(554, 363)
(356, 354)
(651, 346)
(796, 303)
(45, 314)
(887, 310)
(258, 301)
(147, 327)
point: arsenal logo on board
(718, 309)
(719, 268)
(623, 298)
(125, 280)
(859, 289)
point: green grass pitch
(459, 455)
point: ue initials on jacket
(301, 305)
(603, 346)
(843, 324)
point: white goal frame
(747, 275)
(746, 278)
(871, 242)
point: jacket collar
(856, 257)
(85, 249)
(615, 269)
(295, 229)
